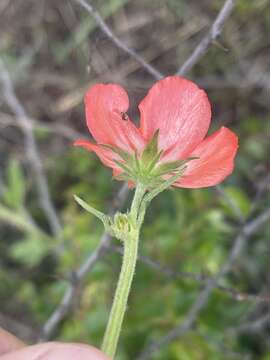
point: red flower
(175, 115)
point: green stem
(120, 299)
(119, 306)
(136, 202)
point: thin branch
(31, 150)
(108, 32)
(199, 278)
(247, 231)
(210, 37)
(78, 276)
(58, 129)
(254, 326)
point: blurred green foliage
(187, 230)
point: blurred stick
(58, 129)
(255, 326)
(210, 37)
(31, 150)
(79, 275)
(199, 278)
(248, 229)
(107, 31)
(197, 54)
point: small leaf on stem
(104, 218)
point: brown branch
(210, 37)
(109, 33)
(31, 149)
(197, 54)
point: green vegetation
(53, 51)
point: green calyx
(145, 168)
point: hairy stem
(119, 306)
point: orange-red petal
(180, 110)
(105, 106)
(216, 160)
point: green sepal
(123, 177)
(151, 150)
(170, 167)
(154, 161)
(124, 167)
(123, 154)
(164, 185)
(157, 187)
(145, 167)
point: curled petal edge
(216, 160)
(106, 156)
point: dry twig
(31, 150)
(107, 31)
(210, 37)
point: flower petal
(106, 155)
(105, 106)
(180, 110)
(216, 160)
